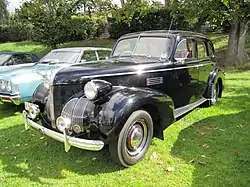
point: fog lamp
(63, 123)
(33, 110)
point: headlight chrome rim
(90, 90)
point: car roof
(180, 33)
(82, 49)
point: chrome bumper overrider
(92, 145)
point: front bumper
(92, 145)
(10, 99)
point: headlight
(97, 88)
(2, 85)
(46, 82)
(8, 86)
(91, 90)
(63, 123)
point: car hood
(6, 69)
(101, 69)
(28, 73)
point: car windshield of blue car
(55, 57)
(4, 58)
(145, 47)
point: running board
(182, 110)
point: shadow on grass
(9, 109)
(27, 155)
(219, 149)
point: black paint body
(158, 86)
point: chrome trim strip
(92, 145)
(182, 110)
(140, 72)
(10, 96)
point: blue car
(17, 84)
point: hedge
(14, 33)
(126, 21)
(79, 27)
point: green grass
(216, 139)
(207, 147)
(41, 50)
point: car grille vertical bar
(52, 108)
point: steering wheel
(125, 52)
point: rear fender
(123, 102)
(217, 75)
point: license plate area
(6, 100)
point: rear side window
(89, 56)
(202, 52)
(103, 55)
(210, 49)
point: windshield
(150, 47)
(3, 58)
(61, 57)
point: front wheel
(134, 139)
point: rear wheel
(214, 93)
(134, 139)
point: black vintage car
(150, 79)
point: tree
(235, 12)
(102, 7)
(48, 18)
(122, 2)
(3, 11)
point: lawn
(207, 147)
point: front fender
(40, 94)
(123, 102)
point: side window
(185, 49)
(89, 56)
(202, 52)
(210, 49)
(103, 55)
(22, 59)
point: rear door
(206, 61)
(185, 75)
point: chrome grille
(154, 81)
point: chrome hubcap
(137, 137)
(215, 93)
